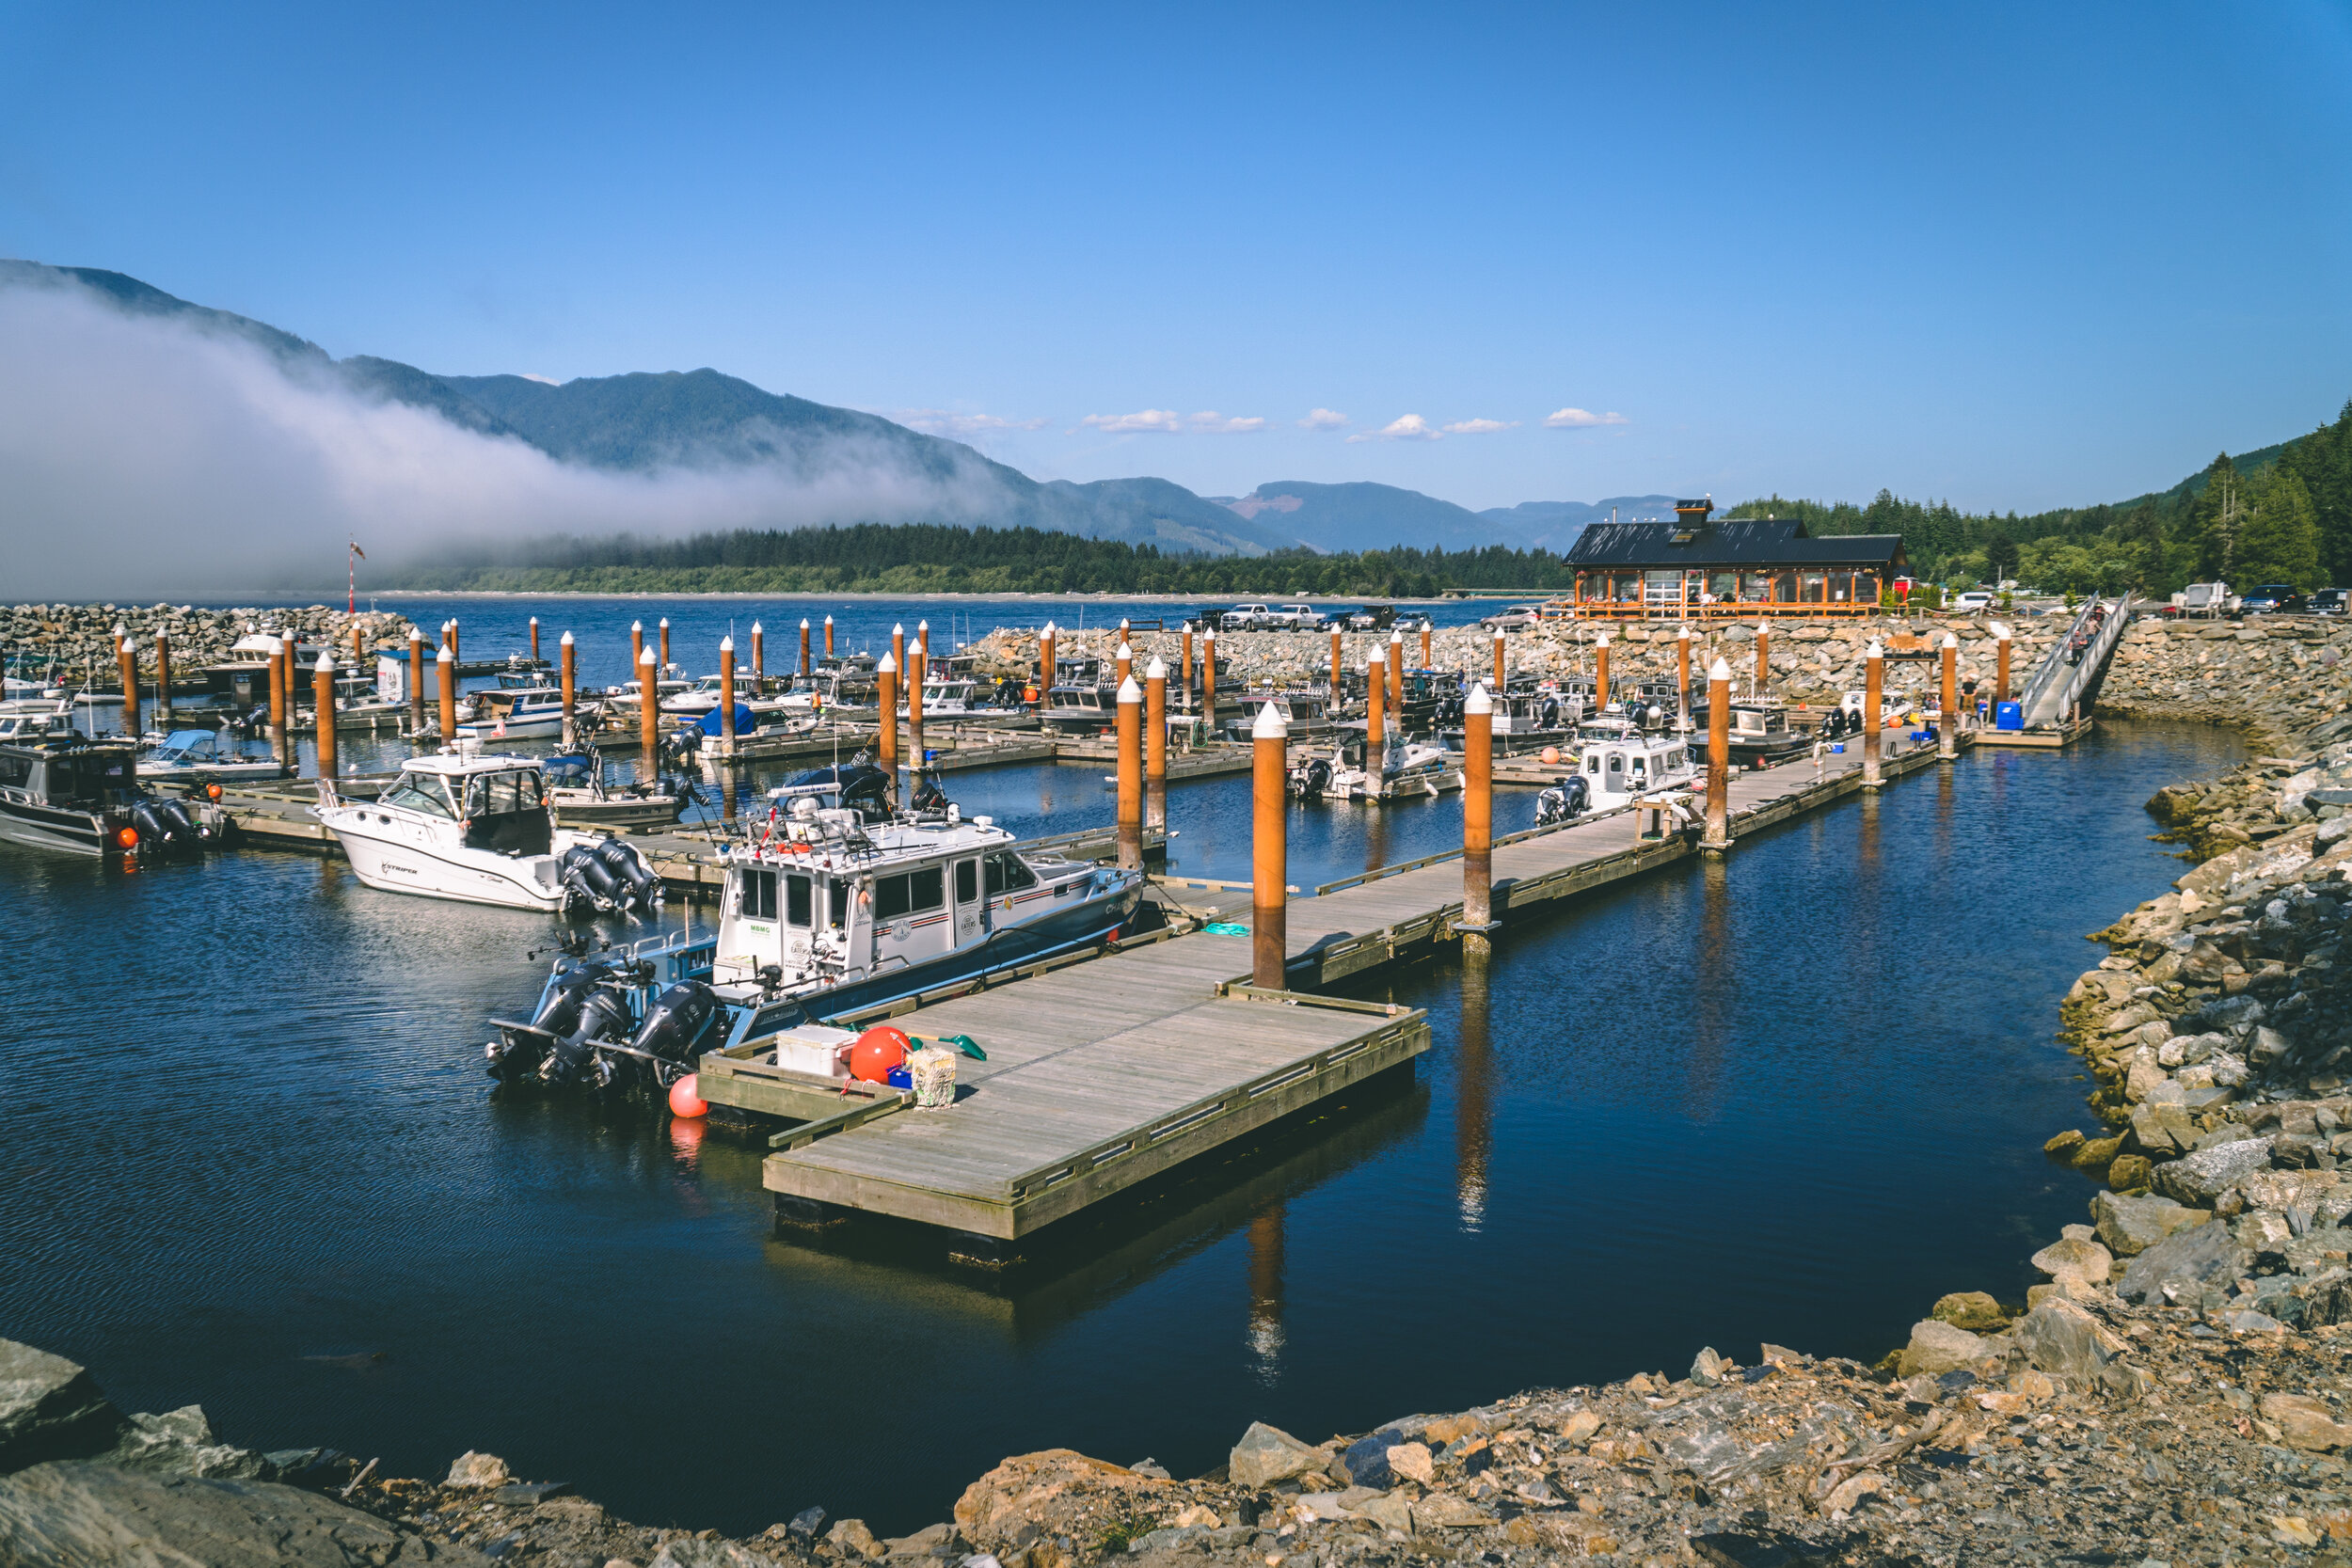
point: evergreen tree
(2216, 517)
(2280, 543)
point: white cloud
(1210, 422)
(1323, 418)
(945, 421)
(542, 380)
(1480, 427)
(1580, 419)
(1164, 420)
(1409, 427)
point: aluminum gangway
(2070, 671)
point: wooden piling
(1125, 661)
(636, 644)
(416, 680)
(163, 680)
(1424, 645)
(918, 662)
(1375, 709)
(899, 646)
(2000, 679)
(828, 637)
(571, 687)
(1600, 673)
(760, 658)
(648, 717)
(276, 652)
(360, 651)
(665, 645)
(1501, 679)
(1155, 744)
(127, 663)
(1130, 834)
(1208, 679)
(726, 693)
(456, 647)
(1478, 821)
(1187, 683)
(806, 667)
(1717, 836)
(445, 663)
(1763, 658)
(1873, 687)
(1682, 669)
(1045, 666)
(1269, 912)
(887, 744)
(534, 639)
(1337, 687)
(322, 693)
(1947, 725)
(1396, 678)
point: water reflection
(1474, 1110)
(1266, 1293)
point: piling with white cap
(416, 679)
(888, 741)
(1129, 774)
(1873, 685)
(567, 657)
(726, 694)
(648, 716)
(322, 694)
(445, 666)
(1478, 821)
(1600, 670)
(1155, 744)
(665, 642)
(1947, 728)
(1269, 860)
(1717, 837)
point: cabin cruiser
(1522, 718)
(1307, 713)
(478, 828)
(824, 911)
(1759, 734)
(580, 798)
(81, 797)
(207, 754)
(1408, 769)
(515, 713)
(1620, 761)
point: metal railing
(2059, 683)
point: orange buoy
(127, 837)
(211, 792)
(684, 1101)
(1551, 756)
(877, 1051)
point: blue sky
(2018, 255)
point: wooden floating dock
(2047, 739)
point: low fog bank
(144, 457)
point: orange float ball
(684, 1101)
(1551, 756)
(127, 837)
(877, 1051)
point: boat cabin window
(757, 900)
(15, 770)
(909, 893)
(796, 900)
(498, 794)
(1616, 769)
(967, 881)
(419, 792)
(1009, 874)
(840, 915)
(87, 780)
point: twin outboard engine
(673, 1024)
(1312, 778)
(574, 1011)
(610, 876)
(1564, 801)
(167, 827)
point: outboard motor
(1551, 713)
(929, 796)
(673, 1025)
(867, 791)
(589, 879)
(163, 828)
(640, 890)
(1314, 778)
(574, 1058)
(1564, 801)
(520, 1046)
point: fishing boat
(205, 754)
(515, 713)
(1523, 718)
(828, 907)
(29, 718)
(1411, 770)
(1759, 733)
(81, 797)
(478, 828)
(1307, 713)
(1620, 761)
(579, 797)
(850, 681)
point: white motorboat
(518, 713)
(1410, 768)
(478, 828)
(29, 718)
(207, 754)
(1619, 761)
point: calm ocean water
(251, 1161)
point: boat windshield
(423, 792)
(87, 779)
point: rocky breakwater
(81, 636)
(1813, 662)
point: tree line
(2281, 514)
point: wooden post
(1947, 727)
(1424, 645)
(636, 644)
(1501, 680)
(726, 696)
(1126, 661)
(1478, 820)
(1763, 658)
(1873, 685)
(888, 742)
(416, 680)
(359, 650)
(456, 649)
(917, 672)
(1600, 673)
(1187, 685)
(1155, 744)
(1717, 837)
(1337, 689)
(899, 645)
(1270, 935)
(276, 652)
(1046, 668)
(648, 717)
(322, 693)
(760, 658)
(1208, 682)
(163, 680)
(828, 637)
(445, 665)
(1129, 774)
(534, 639)
(1396, 678)
(571, 678)
(127, 663)
(1682, 670)
(1375, 709)
(2001, 675)
(449, 633)
(665, 645)
(806, 667)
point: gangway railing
(2072, 667)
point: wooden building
(1734, 569)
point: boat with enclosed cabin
(81, 797)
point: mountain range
(648, 422)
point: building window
(1816, 587)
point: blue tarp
(745, 721)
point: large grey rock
(2197, 1180)
(2059, 1337)
(1267, 1454)
(2193, 1259)
(50, 1408)
(1937, 1348)
(181, 1442)
(78, 1515)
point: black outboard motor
(1564, 801)
(1314, 779)
(1551, 719)
(642, 889)
(520, 1046)
(673, 1024)
(574, 1058)
(165, 828)
(929, 796)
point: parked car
(1370, 618)
(2203, 598)
(1296, 617)
(1244, 617)
(1972, 601)
(2328, 601)
(2272, 599)
(1517, 618)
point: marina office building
(1736, 569)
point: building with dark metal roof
(1744, 567)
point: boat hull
(402, 865)
(516, 729)
(71, 832)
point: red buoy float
(1551, 756)
(684, 1101)
(877, 1051)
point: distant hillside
(1364, 516)
(1555, 525)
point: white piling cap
(923, 625)
(665, 622)
(1998, 630)
(804, 623)
(445, 656)
(757, 629)
(1269, 725)
(1211, 634)
(1129, 691)
(1377, 655)
(416, 634)
(829, 619)
(1682, 634)
(120, 629)
(534, 620)
(726, 644)
(1720, 669)
(889, 665)
(1124, 651)
(637, 625)
(645, 656)
(565, 641)
(1396, 634)
(898, 630)
(1950, 640)
(1497, 634)
(1874, 650)
(1601, 641)
(1478, 701)
(1048, 632)
(1156, 670)
(325, 665)
(130, 646)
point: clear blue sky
(2018, 255)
